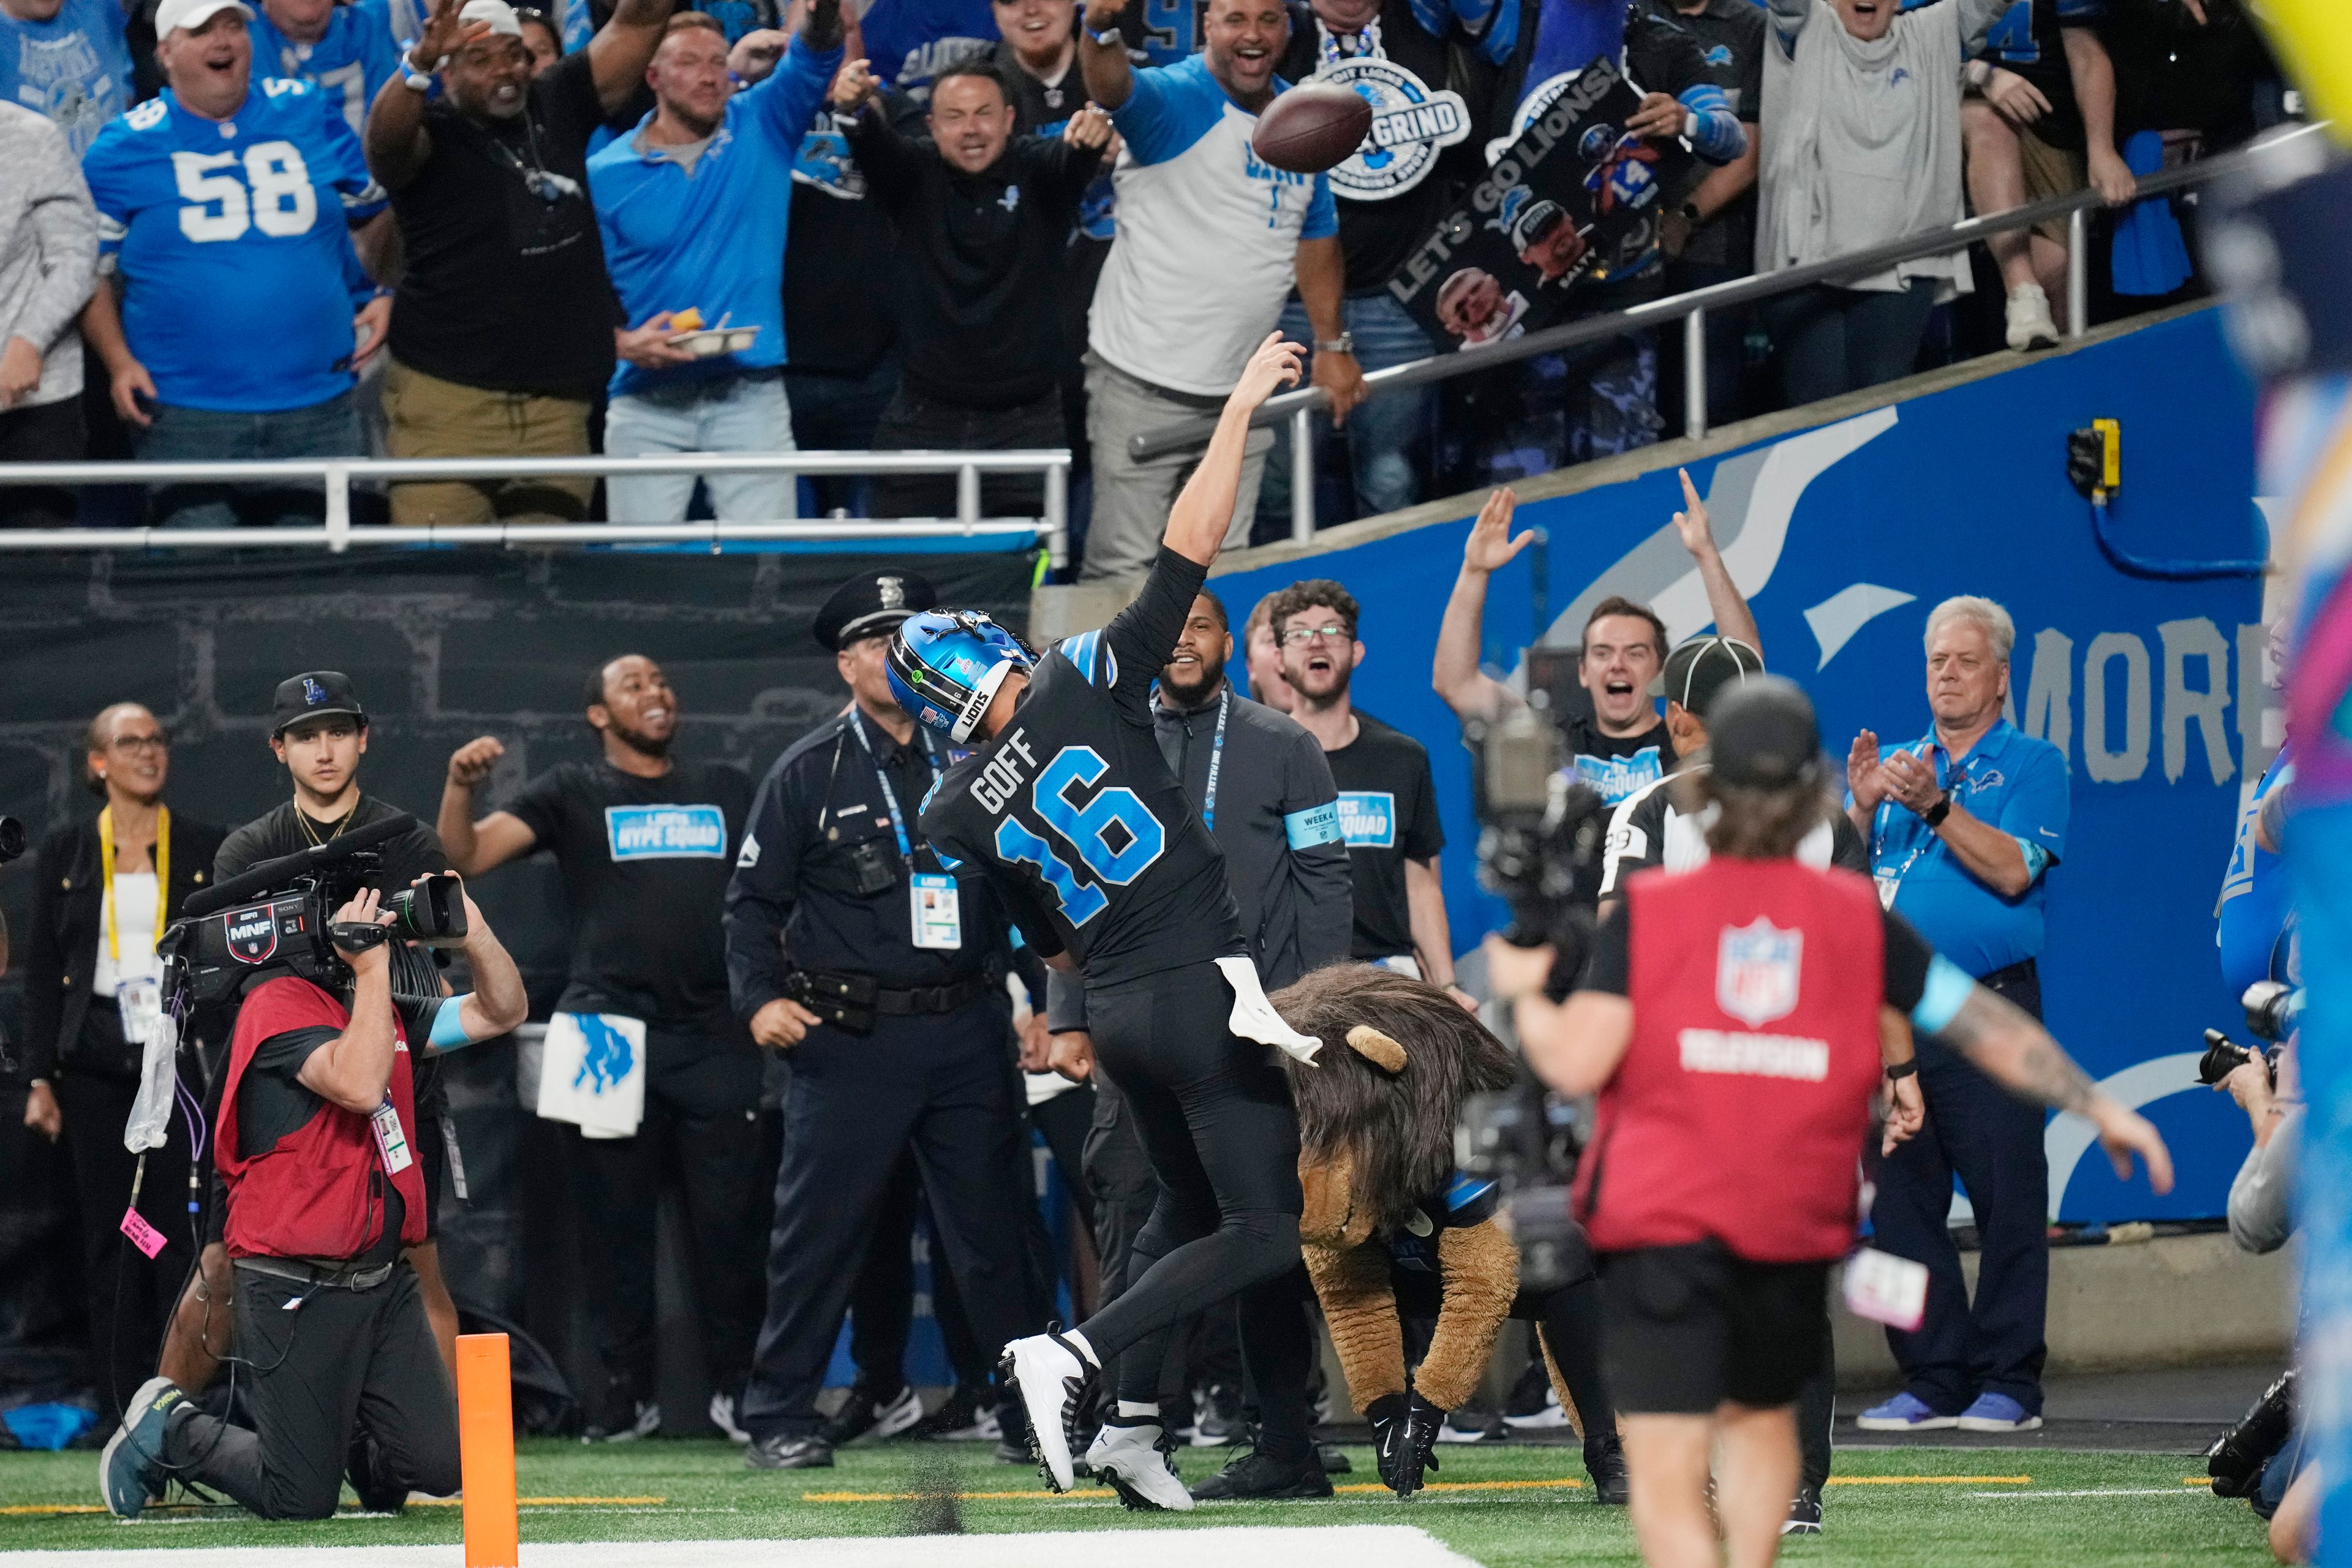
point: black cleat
(1604, 1461)
(1253, 1476)
(781, 1452)
(883, 1411)
(364, 1464)
(1333, 1458)
(1804, 1513)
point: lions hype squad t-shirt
(645, 864)
(1388, 815)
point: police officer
(851, 948)
(1729, 1019)
(1264, 793)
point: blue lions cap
(945, 668)
(312, 695)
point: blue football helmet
(946, 665)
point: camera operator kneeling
(1729, 1021)
(340, 1365)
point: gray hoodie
(1288, 869)
(48, 248)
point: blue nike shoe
(131, 1472)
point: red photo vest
(1739, 1110)
(310, 1195)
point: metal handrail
(337, 534)
(1691, 308)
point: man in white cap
(226, 207)
(503, 337)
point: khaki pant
(430, 417)
(2050, 172)
(1131, 499)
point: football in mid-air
(1312, 127)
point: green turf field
(1984, 1508)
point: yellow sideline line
(1375, 1487)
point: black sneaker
(1533, 1406)
(1218, 1421)
(364, 1464)
(645, 1420)
(959, 1420)
(1804, 1513)
(1253, 1476)
(884, 1412)
(1333, 1459)
(1604, 1461)
(785, 1453)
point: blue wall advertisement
(1844, 537)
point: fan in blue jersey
(65, 60)
(224, 208)
(1070, 810)
(345, 51)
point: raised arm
(473, 846)
(623, 46)
(498, 1001)
(1204, 509)
(1724, 601)
(1110, 75)
(1469, 691)
(396, 143)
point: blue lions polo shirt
(2008, 779)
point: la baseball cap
(1699, 669)
(1762, 734)
(314, 694)
(195, 14)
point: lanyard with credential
(890, 796)
(1216, 762)
(1888, 882)
(106, 874)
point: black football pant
(941, 1087)
(311, 1375)
(702, 1119)
(1216, 1119)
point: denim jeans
(744, 413)
(837, 414)
(329, 429)
(1833, 339)
(1387, 438)
(914, 423)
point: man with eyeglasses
(1388, 801)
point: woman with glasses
(103, 890)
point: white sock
(1087, 1351)
(1138, 1409)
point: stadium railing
(2298, 149)
(337, 532)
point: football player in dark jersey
(1070, 810)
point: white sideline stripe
(1357, 1545)
(2095, 1491)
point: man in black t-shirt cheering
(1622, 745)
(502, 332)
(1072, 812)
(644, 844)
(1388, 802)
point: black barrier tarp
(444, 645)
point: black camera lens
(432, 912)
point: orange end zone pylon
(486, 1451)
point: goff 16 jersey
(1072, 810)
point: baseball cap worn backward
(497, 13)
(194, 14)
(1700, 668)
(1762, 734)
(870, 604)
(311, 695)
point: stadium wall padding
(1845, 535)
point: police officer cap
(312, 695)
(872, 603)
(1761, 734)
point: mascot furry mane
(1384, 1109)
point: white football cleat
(1132, 1458)
(1051, 1375)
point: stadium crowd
(292, 229)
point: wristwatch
(1933, 816)
(1345, 343)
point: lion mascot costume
(1391, 1230)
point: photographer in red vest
(338, 1364)
(1729, 1019)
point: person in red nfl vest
(336, 1362)
(1728, 1018)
